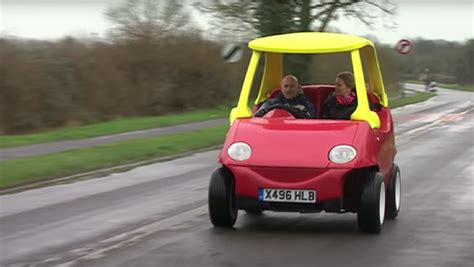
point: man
(291, 98)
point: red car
(280, 163)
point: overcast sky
(46, 19)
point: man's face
(289, 88)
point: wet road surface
(156, 215)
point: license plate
(287, 195)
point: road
(54, 147)
(156, 215)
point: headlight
(342, 154)
(239, 151)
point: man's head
(290, 87)
(344, 83)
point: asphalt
(156, 215)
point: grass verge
(32, 169)
(112, 127)
(407, 100)
(38, 168)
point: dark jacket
(334, 110)
(300, 103)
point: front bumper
(328, 183)
(335, 205)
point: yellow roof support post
(272, 75)
(242, 110)
(362, 111)
(312, 43)
(376, 81)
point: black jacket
(300, 103)
(334, 110)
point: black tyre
(371, 213)
(222, 206)
(394, 194)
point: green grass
(31, 169)
(412, 99)
(392, 93)
(461, 87)
(37, 168)
(112, 127)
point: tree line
(68, 83)
(440, 60)
(155, 62)
(150, 65)
(71, 82)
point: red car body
(280, 163)
(293, 154)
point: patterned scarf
(346, 100)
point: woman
(342, 103)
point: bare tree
(147, 20)
(246, 19)
(258, 17)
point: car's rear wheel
(222, 205)
(371, 213)
(394, 193)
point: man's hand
(299, 111)
(261, 112)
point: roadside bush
(72, 82)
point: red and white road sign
(403, 46)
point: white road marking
(98, 250)
(442, 119)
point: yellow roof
(309, 42)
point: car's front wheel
(221, 202)
(394, 193)
(371, 213)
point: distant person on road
(291, 97)
(432, 86)
(427, 84)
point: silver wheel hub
(397, 191)
(382, 203)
